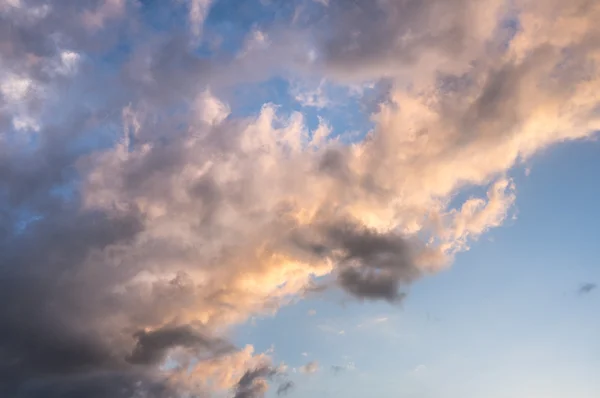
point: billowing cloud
(142, 217)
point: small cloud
(310, 367)
(305, 354)
(312, 312)
(284, 388)
(587, 288)
(315, 97)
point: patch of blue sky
(247, 14)
(67, 191)
(342, 110)
(162, 16)
(22, 218)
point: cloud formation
(587, 288)
(253, 382)
(285, 388)
(142, 217)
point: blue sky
(306, 198)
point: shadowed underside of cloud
(254, 382)
(141, 217)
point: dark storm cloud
(48, 313)
(371, 285)
(373, 265)
(98, 385)
(151, 347)
(370, 264)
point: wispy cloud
(587, 288)
(310, 367)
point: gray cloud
(285, 388)
(253, 383)
(587, 288)
(370, 264)
(151, 347)
(360, 38)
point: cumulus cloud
(141, 217)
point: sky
(299, 198)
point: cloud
(285, 388)
(253, 383)
(198, 10)
(143, 216)
(310, 367)
(587, 288)
(94, 19)
(311, 97)
(152, 346)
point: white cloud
(315, 97)
(15, 88)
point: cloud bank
(142, 217)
